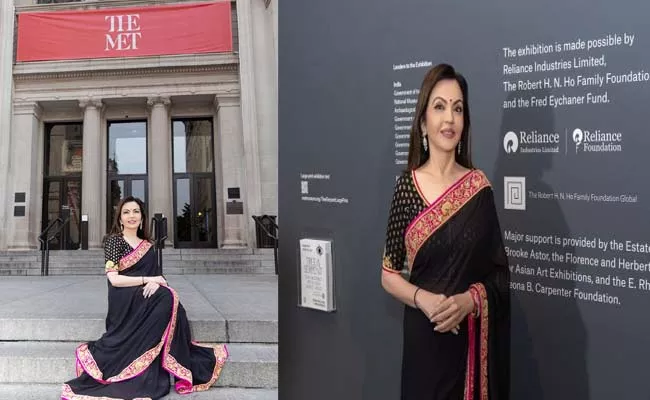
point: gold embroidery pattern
(169, 362)
(181, 372)
(139, 364)
(79, 369)
(110, 266)
(221, 355)
(89, 365)
(387, 265)
(133, 257)
(68, 394)
(441, 211)
(484, 341)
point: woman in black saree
(443, 228)
(147, 334)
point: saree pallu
(146, 340)
(454, 245)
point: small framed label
(234, 207)
(316, 275)
(19, 211)
(233, 193)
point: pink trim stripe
(438, 200)
(134, 250)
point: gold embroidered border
(79, 369)
(133, 257)
(483, 369)
(431, 219)
(181, 372)
(139, 364)
(110, 267)
(388, 265)
(68, 394)
(90, 366)
(169, 362)
(220, 355)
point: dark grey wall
(337, 118)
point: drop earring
(121, 226)
(459, 147)
(425, 142)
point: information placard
(316, 279)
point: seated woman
(147, 331)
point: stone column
(229, 122)
(249, 115)
(160, 167)
(6, 82)
(24, 230)
(93, 166)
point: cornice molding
(21, 76)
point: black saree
(450, 246)
(146, 339)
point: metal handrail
(158, 241)
(45, 242)
(258, 221)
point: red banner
(125, 32)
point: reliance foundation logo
(532, 141)
(597, 141)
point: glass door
(194, 210)
(194, 187)
(127, 164)
(124, 186)
(62, 182)
(63, 200)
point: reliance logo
(510, 142)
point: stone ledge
(125, 66)
(249, 365)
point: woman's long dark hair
(417, 154)
(116, 229)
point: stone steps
(175, 262)
(43, 320)
(249, 365)
(19, 391)
(84, 329)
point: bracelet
(415, 294)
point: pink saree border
(478, 291)
(441, 211)
(135, 255)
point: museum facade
(174, 102)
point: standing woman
(147, 336)
(443, 228)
